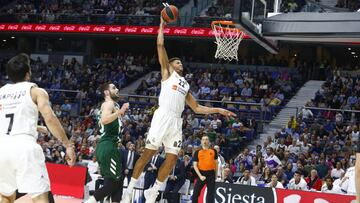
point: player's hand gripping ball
(170, 14)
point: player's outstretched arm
(107, 115)
(162, 55)
(199, 109)
(41, 98)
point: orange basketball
(170, 14)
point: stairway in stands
(130, 89)
(306, 93)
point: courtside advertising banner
(106, 29)
(234, 193)
(297, 196)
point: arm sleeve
(216, 154)
(195, 157)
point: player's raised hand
(70, 155)
(124, 108)
(227, 113)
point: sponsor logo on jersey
(174, 87)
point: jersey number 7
(11, 116)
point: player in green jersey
(107, 153)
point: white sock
(157, 185)
(91, 200)
(131, 184)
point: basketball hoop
(228, 39)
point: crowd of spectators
(316, 149)
(352, 5)
(308, 154)
(132, 12)
(121, 68)
(270, 89)
(218, 10)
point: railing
(57, 97)
(324, 114)
(243, 109)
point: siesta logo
(225, 196)
(233, 193)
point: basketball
(170, 14)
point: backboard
(248, 16)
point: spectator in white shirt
(294, 148)
(93, 166)
(271, 160)
(306, 113)
(329, 187)
(221, 165)
(246, 179)
(215, 123)
(336, 172)
(297, 183)
(274, 182)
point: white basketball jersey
(18, 113)
(173, 93)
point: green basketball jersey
(111, 131)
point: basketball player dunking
(166, 125)
(22, 162)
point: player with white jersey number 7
(21, 101)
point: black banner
(234, 193)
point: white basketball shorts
(22, 166)
(166, 128)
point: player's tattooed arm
(199, 109)
(162, 54)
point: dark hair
(104, 87)
(174, 59)
(17, 67)
(298, 172)
(329, 178)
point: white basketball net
(227, 40)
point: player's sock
(157, 185)
(91, 200)
(131, 184)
